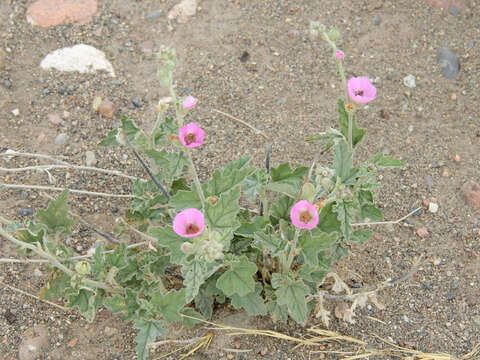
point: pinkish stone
(471, 193)
(47, 13)
(445, 4)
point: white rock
(16, 112)
(90, 158)
(432, 207)
(409, 81)
(82, 58)
(183, 10)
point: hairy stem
(291, 254)
(196, 180)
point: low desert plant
(201, 246)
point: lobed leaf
(238, 279)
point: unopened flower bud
(82, 268)
(212, 200)
(333, 34)
(308, 192)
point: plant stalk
(291, 254)
(196, 180)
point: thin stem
(196, 180)
(350, 130)
(149, 172)
(23, 261)
(54, 261)
(255, 130)
(11, 153)
(388, 222)
(73, 191)
(88, 168)
(35, 297)
(264, 202)
(293, 248)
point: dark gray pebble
(24, 194)
(61, 90)
(46, 91)
(137, 102)
(7, 84)
(448, 61)
(453, 10)
(154, 15)
(281, 101)
(25, 212)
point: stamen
(358, 92)
(191, 229)
(190, 138)
(305, 217)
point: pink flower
(191, 135)
(339, 54)
(304, 215)
(189, 102)
(361, 90)
(189, 223)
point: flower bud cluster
(208, 248)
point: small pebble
(61, 90)
(437, 262)
(61, 139)
(24, 194)
(137, 102)
(15, 112)
(281, 101)
(429, 181)
(7, 84)
(433, 207)
(453, 10)
(410, 128)
(54, 119)
(409, 81)
(46, 91)
(377, 21)
(106, 108)
(41, 137)
(153, 15)
(458, 158)
(25, 212)
(244, 57)
(90, 159)
(453, 97)
(37, 273)
(448, 61)
(422, 232)
(128, 44)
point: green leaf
(357, 133)
(56, 286)
(168, 238)
(253, 303)
(86, 302)
(116, 304)
(327, 219)
(253, 185)
(169, 126)
(188, 321)
(229, 177)
(342, 161)
(315, 241)
(247, 229)
(195, 273)
(365, 197)
(270, 242)
(382, 161)
(286, 181)
(150, 329)
(222, 216)
(293, 296)
(345, 214)
(238, 279)
(185, 200)
(111, 139)
(360, 236)
(204, 303)
(278, 312)
(371, 212)
(56, 216)
(281, 209)
(172, 164)
(169, 304)
(132, 132)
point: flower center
(190, 138)
(191, 229)
(358, 92)
(305, 217)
